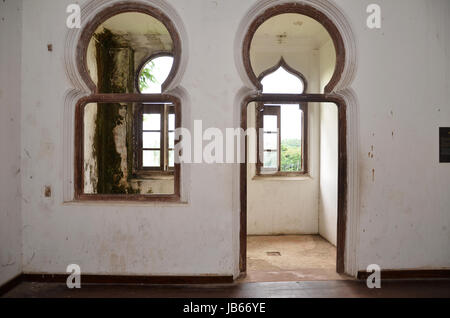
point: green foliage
(146, 76)
(291, 155)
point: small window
(282, 127)
(282, 82)
(154, 73)
(155, 133)
(282, 142)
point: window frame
(96, 97)
(277, 100)
(165, 109)
(148, 59)
(264, 109)
(79, 194)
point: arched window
(282, 82)
(282, 145)
(154, 73)
(125, 141)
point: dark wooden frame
(259, 124)
(268, 111)
(306, 10)
(327, 97)
(153, 56)
(342, 167)
(138, 169)
(304, 108)
(96, 97)
(79, 149)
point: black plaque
(444, 145)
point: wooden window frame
(79, 146)
(264, 109)
(260, 171)
(97, 97)
(164, 110)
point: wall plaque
(444, 145)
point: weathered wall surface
(10, 173)
(403, 86)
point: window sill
(305, 177)
(153, 176)
(150, 178)
(114, 203)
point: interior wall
(403, 88)
(328, 192)
(10, 131)
(189, 238)
(404, 219)
(285, 205)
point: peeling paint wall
(403, 86)
(10, 154)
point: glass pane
(291, 138)
(270, 141)
(270, 160)
(151, 140)
(171, 121)
(171, 140)
(151, 158)
(270, 123)
(171, 158)
(152, 122)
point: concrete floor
(290, 258)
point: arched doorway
(324, 95)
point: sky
(282, 82)
(161, 71)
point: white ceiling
(139, 30)
(290, 30)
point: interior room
(224, 148)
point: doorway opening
(293, 194)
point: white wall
(404, 201)
(403, 87)
(10, 197)
(328, 193)
(145, 239)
